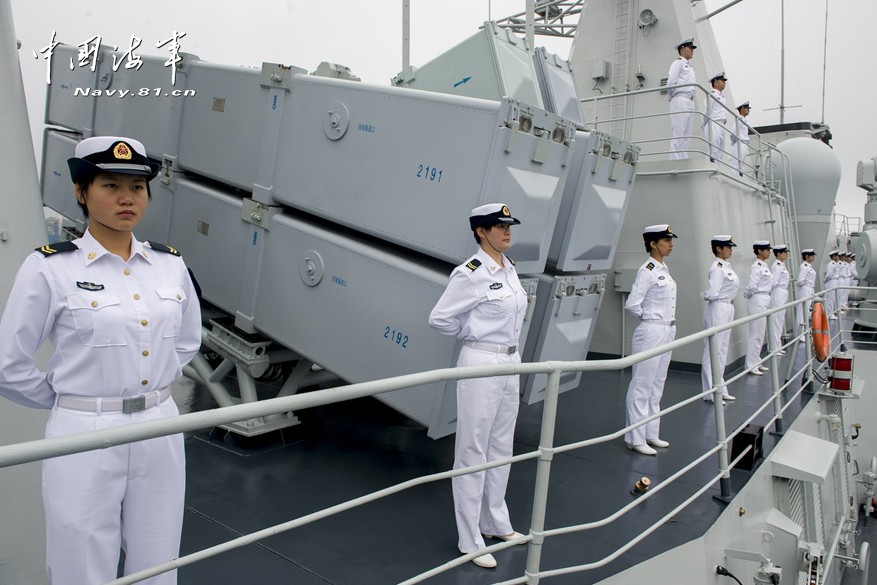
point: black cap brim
(80, 168)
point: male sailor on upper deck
(716, 116)
(681, 99)
(740, 139)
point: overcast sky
(366, 36)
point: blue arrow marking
(465, 79)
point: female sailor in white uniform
(806, 285)
(653, 300)
(722, 285)
(124, 319)
(779, 295)
(832, 275)
(757, 294)
(484, 305)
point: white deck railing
(46, 448)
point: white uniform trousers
(647, 383)
(716, 313)
(130, 496)
(802, 311)
(778, 296)
(715, 134)
(738, 161)
(487, 409)
(681, 119)
(831, 297)
(756, 304)
(844, 293)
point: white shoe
(764, 368)
(756, 372)
(485, 561)
(507, 537)
(642, 449)
(832, 318)
(658, 443)
(728, 397)
(711, 401)
(781, 352)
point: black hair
(487, 228)
(715, 245)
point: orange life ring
(821, 337)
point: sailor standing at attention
(832, 274)
(716, 116)
(846, 277)
(806, 285)
(124, 319)
(758, 295)
(779, 295)
(740, 138)
(653, 300)
(681, 99)
(722, 286)
(484, 305)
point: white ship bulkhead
(698, 197)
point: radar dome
(814, 169)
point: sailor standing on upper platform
(758, 295)
(716, 116)
(681, 99)
(740, 138)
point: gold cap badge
(122, 151)
(505, 211)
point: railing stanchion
(775, 378)
(718, 407)
(543, 472)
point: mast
(782, 61)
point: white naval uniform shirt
(832, 272)
(653, 295)
(723, 282)
(760, 279)
(483, 302)
(681, 72)
(118, 328)
(714, 111)
(807, 277)
(779, 275)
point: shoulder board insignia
(473, 264)
(161, 248)
(720, 264)
(650, 265)
(56, 248)
(512, 261)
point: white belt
(761, 293)
(660, 321)
(684, 95)
(100, 404)
(491, 347)
(722, 301)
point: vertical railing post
(543, 472)
(721, 436)
(808, 345)
(775, 377)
